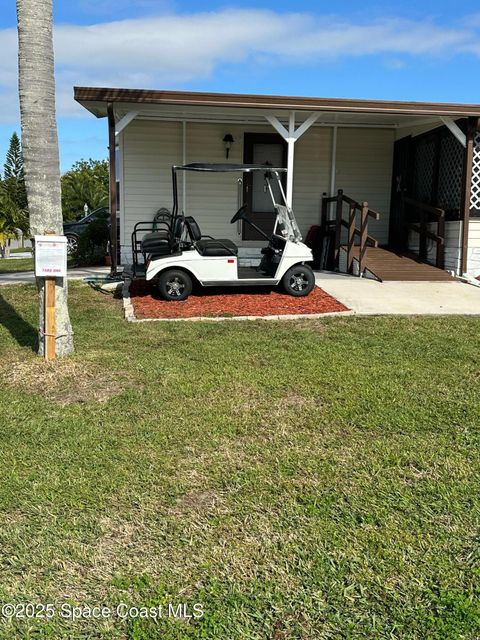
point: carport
(416, 165)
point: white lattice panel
(475, 190)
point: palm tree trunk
(40, 144)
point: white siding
(311, 178)
(212, 198)
(149, 148)
(453, 244)
(473, 259)
(364, 172)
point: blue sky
(389, 50)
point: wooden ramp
(388, 265)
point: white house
(416, 164)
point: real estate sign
(50, 256)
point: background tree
(12, 219)
(40, 144)
(13, 167)
(13, 173)
(85, 183)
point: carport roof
(95, 99)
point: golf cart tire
(299, 280)
(174, 284)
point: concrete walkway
(78, 273)
(20, 256)
(370, 297)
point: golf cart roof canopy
(227, 167)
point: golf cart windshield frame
(284, 213)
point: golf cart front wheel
(299, 280)
(174, 284)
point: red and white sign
(50, 256)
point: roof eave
(86, 95)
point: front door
(261, 148)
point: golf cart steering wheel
(239, 215)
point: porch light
(228, 141)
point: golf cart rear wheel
(299, 280)
(175, 284)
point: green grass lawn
(10, 265)
(21, 250)
(314, 479)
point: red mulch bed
(258, 301)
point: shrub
(93, 244)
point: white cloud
(172, 50)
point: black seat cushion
(193, 228)
(157, 242)
(222, 247)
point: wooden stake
(50, 328)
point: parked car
(72, 230)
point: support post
(466, 189)
(333, 166)
(50, 325)
(113, 188)
(338, 227)
(351, 237)
(184, 161)
(291, 153)
(404, 224)
(323, 217)
(422, 242)
(363, 237)
(440, 258)
(323, 231)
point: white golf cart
(176, 253)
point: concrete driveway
(370, 297)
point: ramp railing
(357, 236)
(427, 213)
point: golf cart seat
(164, 242)
(157, 242)
(206, 245)
(212, 247)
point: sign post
(50, 263)
(50, 326)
